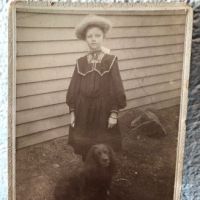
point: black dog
(92, 181)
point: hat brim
(90, 21)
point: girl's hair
(92, 21)
(91, 26)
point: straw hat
(89, 21)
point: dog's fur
(93, 180)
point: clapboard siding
(54, 133)
(42, 125)
(62, 120)
(60, 96)
(56, 47)
(48, 61)
(149, 48)
(30, 34)
(41, 113)
(138, 51)
(45, 74)
(24, 90)
(43, 136)
(45, 124)
(45, 112)
(61, 20)
(152, 99)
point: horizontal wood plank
(42, 137)
(41, 100)
(66, 72)
(60, 97)
(28, 34)
(41, 113)
(61, 20)
(151, 80)
(42, 125)
(165, 104)
(48, 61)
(157, 105)
(62, 47)
(148, 71)
(58, 121)
(152, 99)
(61, 109)
(43, 87)
(153, 89)
(61, 131)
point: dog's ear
(90, 158)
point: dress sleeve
(73, 90)
(117, 90)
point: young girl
(96, 93)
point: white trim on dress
(95, 69)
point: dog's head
(101, 155)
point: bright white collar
(105, 50)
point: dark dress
(95, 91)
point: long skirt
(82, 139)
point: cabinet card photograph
(98, 100)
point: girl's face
(94, 38)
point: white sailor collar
(103, 67)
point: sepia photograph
(98, 100)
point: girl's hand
(72, 118)
(112, 121)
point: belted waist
(91, 96)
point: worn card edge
(59, 7)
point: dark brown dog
(93, 180)
(100, 166)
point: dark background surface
(191, 174)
